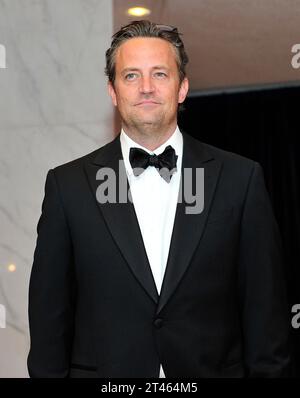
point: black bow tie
(165, 162)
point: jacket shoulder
(235, 167)
(230, 157)
(226, 157)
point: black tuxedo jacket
(94, 309)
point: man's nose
(146, 85)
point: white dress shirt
(155, 202)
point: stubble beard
(155, 126)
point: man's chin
(149, 123)
(154, 120)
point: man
(145, 288)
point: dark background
(262, 125)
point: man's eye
(160, 74)
(130, 76)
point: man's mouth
(147, 102)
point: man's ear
(112, 93)
(183, 90)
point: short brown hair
(146, 28)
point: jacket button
(158, 323)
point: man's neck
(150, 140)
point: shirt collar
(176, 141)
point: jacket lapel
(120, 218)
(188, 228)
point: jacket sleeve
(51, 290)
(262, 293)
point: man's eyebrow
(161, 67)
(129, 70)
(134, 69)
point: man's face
(146, 88)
